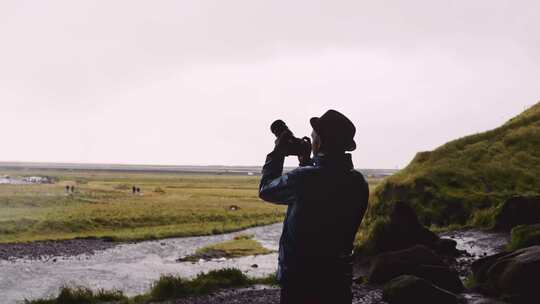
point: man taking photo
(326, 201)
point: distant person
(67, 188)
(326, 201)
(133, 190)
(72, 189)
(138, 190)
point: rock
(403, 230)
(254, 266)
(518, 210)
(514, 274)
(389, 265)
(441, 276)
(410, 289)
(525, 236)
(488, 301)
(446, 247)
(419, 261)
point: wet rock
(410, 289)
(513, 274)
(488, 301)
(389, 265)
(254, 266)
(518, 210)
(419, 261)
(446, 247)
(441, 276)
(525, 236)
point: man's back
(326, 203)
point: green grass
(464, 181)
(166, 288)
(81, 295)
(172, 205)
(524, 236)
(241, 245)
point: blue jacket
(326, 203)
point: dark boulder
(408, 289)
(446, 247)
(402, 230)
(441, 276)
(392, 264)
(419, 261)
(514, 274)
(518, 210)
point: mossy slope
(466, 179)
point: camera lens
(278, 127)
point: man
(326, 201)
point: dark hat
(335, 128)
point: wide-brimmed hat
(336, 129)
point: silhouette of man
(133, 190)
(326, 201)
(72, 189)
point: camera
(292, 145)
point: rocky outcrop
(404, 230)
(419, 261)
(518, 210)
(513, 275)
(410, 289)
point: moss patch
(524, 236)
(241, 245)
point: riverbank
(52, 249)
(130, 267)
(134, 267)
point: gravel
(44, 249)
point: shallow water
(133, 267)
(128, 267)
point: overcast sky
(199, 82)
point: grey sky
(199, 82)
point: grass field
(103, 206)
(170, 205)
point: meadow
(102, 205)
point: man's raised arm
(275, 186)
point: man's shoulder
(304, 170)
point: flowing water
(128, 267)
(133, 267)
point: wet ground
(133, 267)
(53, 249)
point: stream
(133, 267)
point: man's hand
(282, 143)
(305, 158)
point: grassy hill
(465, 180)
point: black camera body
(293, 145)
